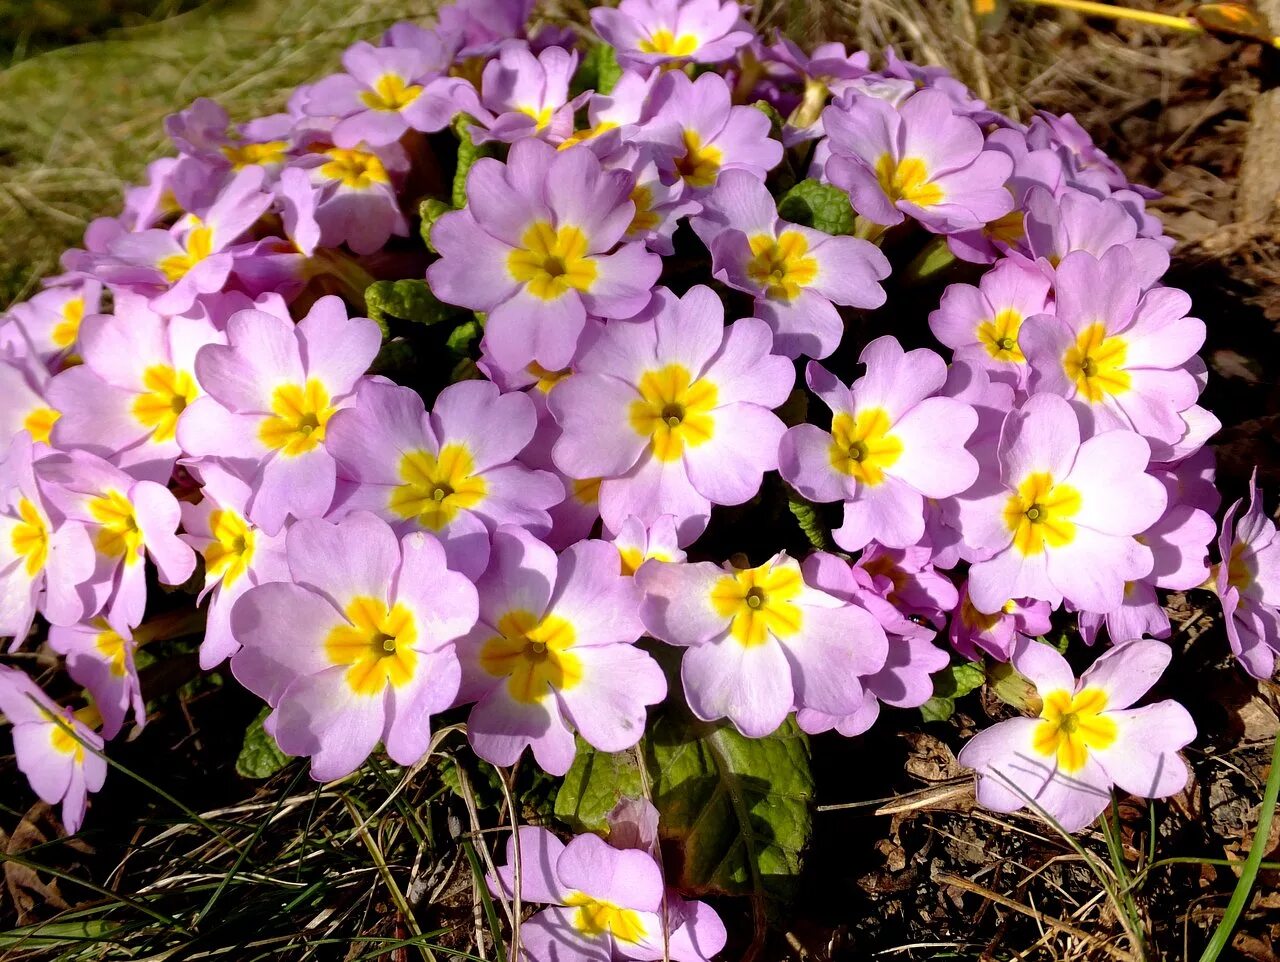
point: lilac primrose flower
(174, 266)
(51, 319)
(385, 92)
(271, 392)
(100, 659)
(696, 132)
(24, 382)
(1248, 584)
(893, 442)
(1055, 517)
(1116, 353)
(453, 472)
(1086, 739)
(973, 633)
(653, 32)
(357, 647)
(354, 198)
(921, 160)
(138, 376)
(237, 554)
(528, 96)
(56, 751)
(981, 324)
(607, 904)
(128, 520)
(637, 544)
(795, 273)
(42, 564)
(537, 247)
(673, 412)
(554, 652)
(760, 641)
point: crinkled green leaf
(260, 756)
(463, 337)
(468, 153)
(407, 300)
(820, 206)
(594, 784)
(599, 71)
(957, 680)
(811, 523)
(938, 709)
(430, 210)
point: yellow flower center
(112, 646)
(355, 169)
(585, 490)
(673, 412)
(663, 41)
(30, 538)
(1009, 228)
(541, 115)
(999, 336)
(437, 487)
(1096, 364)
(1041, 512)
(299, 416)
(119, 535)
(230, 552)
(1240, 569)
(781, 266)
(377, 645)
(61, 738)
(197, 245)
(245, 155)
(594, 918)
(39, 423)
(1071, 725)
(861, 445)
(168, 392)
(534, 655)
(551, 261)
(390, 92)
(980, 621)
(546, 379)
(907, 179)
(590, 133)
(760, 602)
(66, 331)
(645, 219)
(700, 163)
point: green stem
(1249, 874)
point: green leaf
(820, 206)
(594, 784)
(951, 683)
(430, 210)
(811, 523)
(599, 71)
(407, 300)
(485, 780)
(1013, 688)
(938, 709)
(468, 153)
(463, 337)
(260, 756)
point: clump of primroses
(660, 343)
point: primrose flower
(673, 412)
(973, 633)
(385, 92)
(921, 160)
(51, 319)
(904, 679)
(537, 248)
(1059, 519)
(53, 746)
(123, 403)
(605, 903)
(100, 659)
(554, 652)
(354, 195)
(981, 324)
(174, 266)
(651, 32)
(760, 641)
(453, 472)
(906, 578)
(128, 520)
(1116, 353)
(659, 206)
(613, 118)
(237, 554)
(271, 392)
(1248, 584)
(795, 273)
(528, 95)
(696, 132)
(42, 564)
(357, 646)
(637, 544)
(24, 382)
(1086, 739)
(893, 442)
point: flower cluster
(526, 541)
